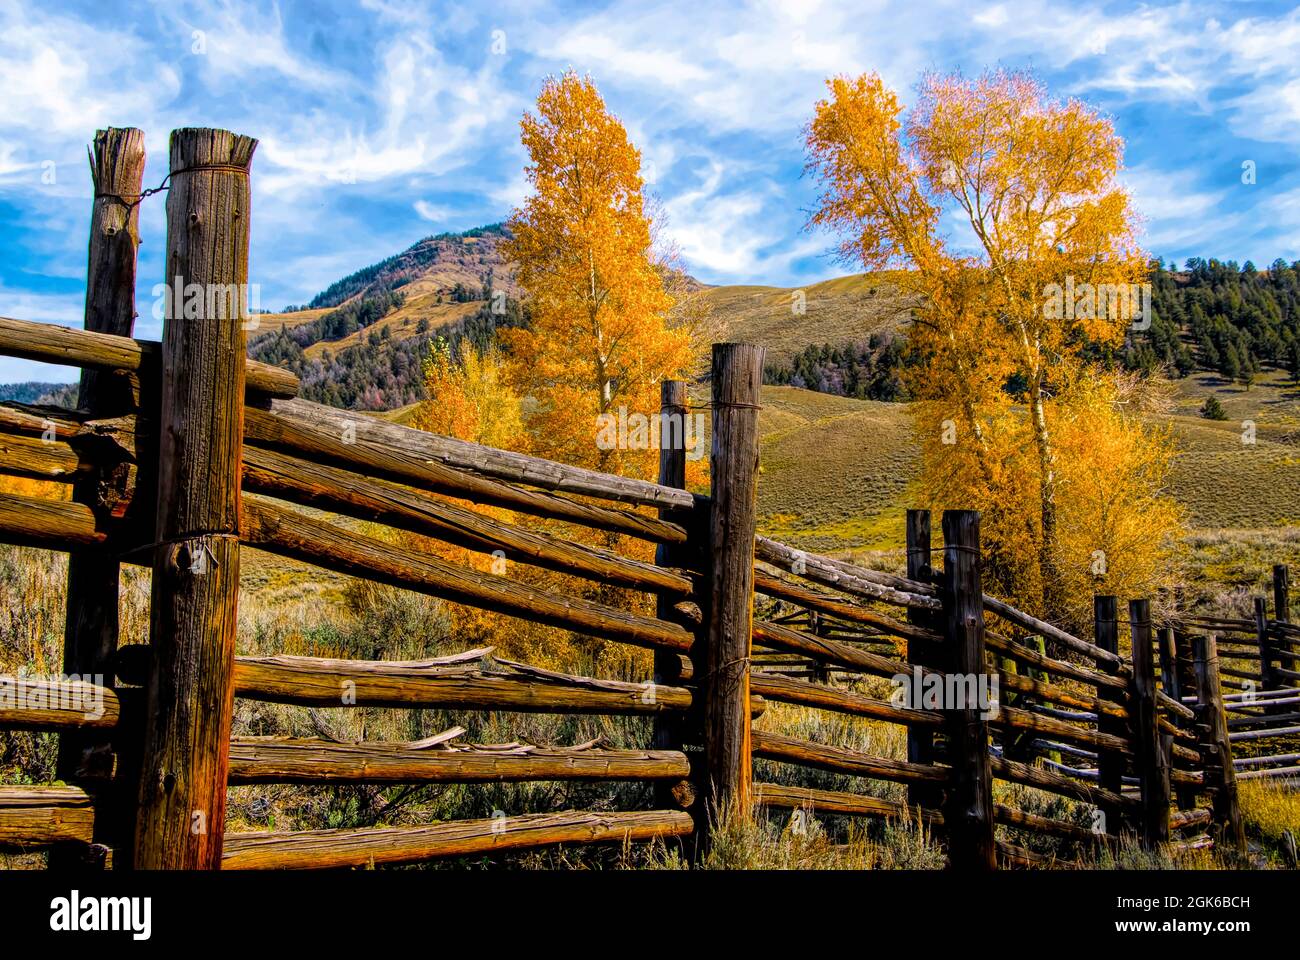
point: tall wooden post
(821, 670)
(667, 733)
(1268, 677)
(1220, 776)
(737, 381)
(1110, 764)
(196, 561)
(969, 814)
(1185, 796)
(1282, 643)
(1149, 756)
(920, 740)
(90, 635)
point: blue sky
(383, 122)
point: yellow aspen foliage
(600, 341)
(1001, 208)
(469, 398)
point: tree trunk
(1047, 496)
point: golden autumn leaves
(1020, 415)
(986, 195)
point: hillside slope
(843, 310)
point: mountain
(360, 343)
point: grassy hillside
(843, 310)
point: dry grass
(844, 310)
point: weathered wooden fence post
(1171, 682)
(196, 560)
(1110, 764)
(1281, 593)
(1216, 750)
(1268, 675)
(737, 382)
(968, 816)
(668, 732)
(1149, 756)
(90, 635)
(920, 740)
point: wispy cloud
(383, 122)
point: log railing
(176, 471)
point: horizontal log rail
(1024, 820)
(773, 746)
(1014, 771)
(1019, 683)
(1049, 632)
(827, 650)
(335, 447)
(1270, 773)
(1033, 658)
(784, 690)
(50, 524)
(841, 576)
(53, 343)
(1182, 819)
(766, 547)
(308, 681)
(775, 587)
(1011, 718)
(321, 849)
(39, 816)
(1263, 734)
(344, 492)
(33, 703)
(1262, 719)
(289, 533)
(845, 804)
(839, 803)
(1242, 762)
(274, 760)
(1173, 706)
(487, 461)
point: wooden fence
(181, 451)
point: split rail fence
(180, 452)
